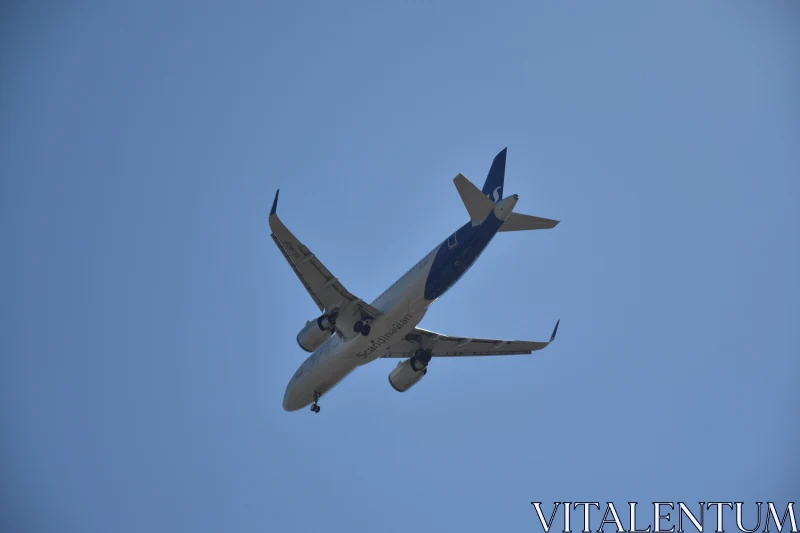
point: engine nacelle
(407, 374)
(316, 332)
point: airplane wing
(325, 289)
(447, 346)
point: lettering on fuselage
(381, 340)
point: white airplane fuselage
(402, 307)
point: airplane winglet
(274, 203)
(553, 336)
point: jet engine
(316, 332)
(409, 372)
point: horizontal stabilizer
(478, 206)
(519, 222)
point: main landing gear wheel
(360, 327)
(315, 406)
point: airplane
(351, 333)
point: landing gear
(420, 360)
(315, 406)
(360, 327)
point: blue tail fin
(493, 187)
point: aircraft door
(452, 240)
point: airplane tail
(480, 203)
(493, 187)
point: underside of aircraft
(351, 332)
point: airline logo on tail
(495, 194)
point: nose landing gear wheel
(365, 329)
(315, 406)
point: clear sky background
(148, 321)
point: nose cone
(299, 393)
(290, 402)
(505, 207)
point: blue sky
(148, 322)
